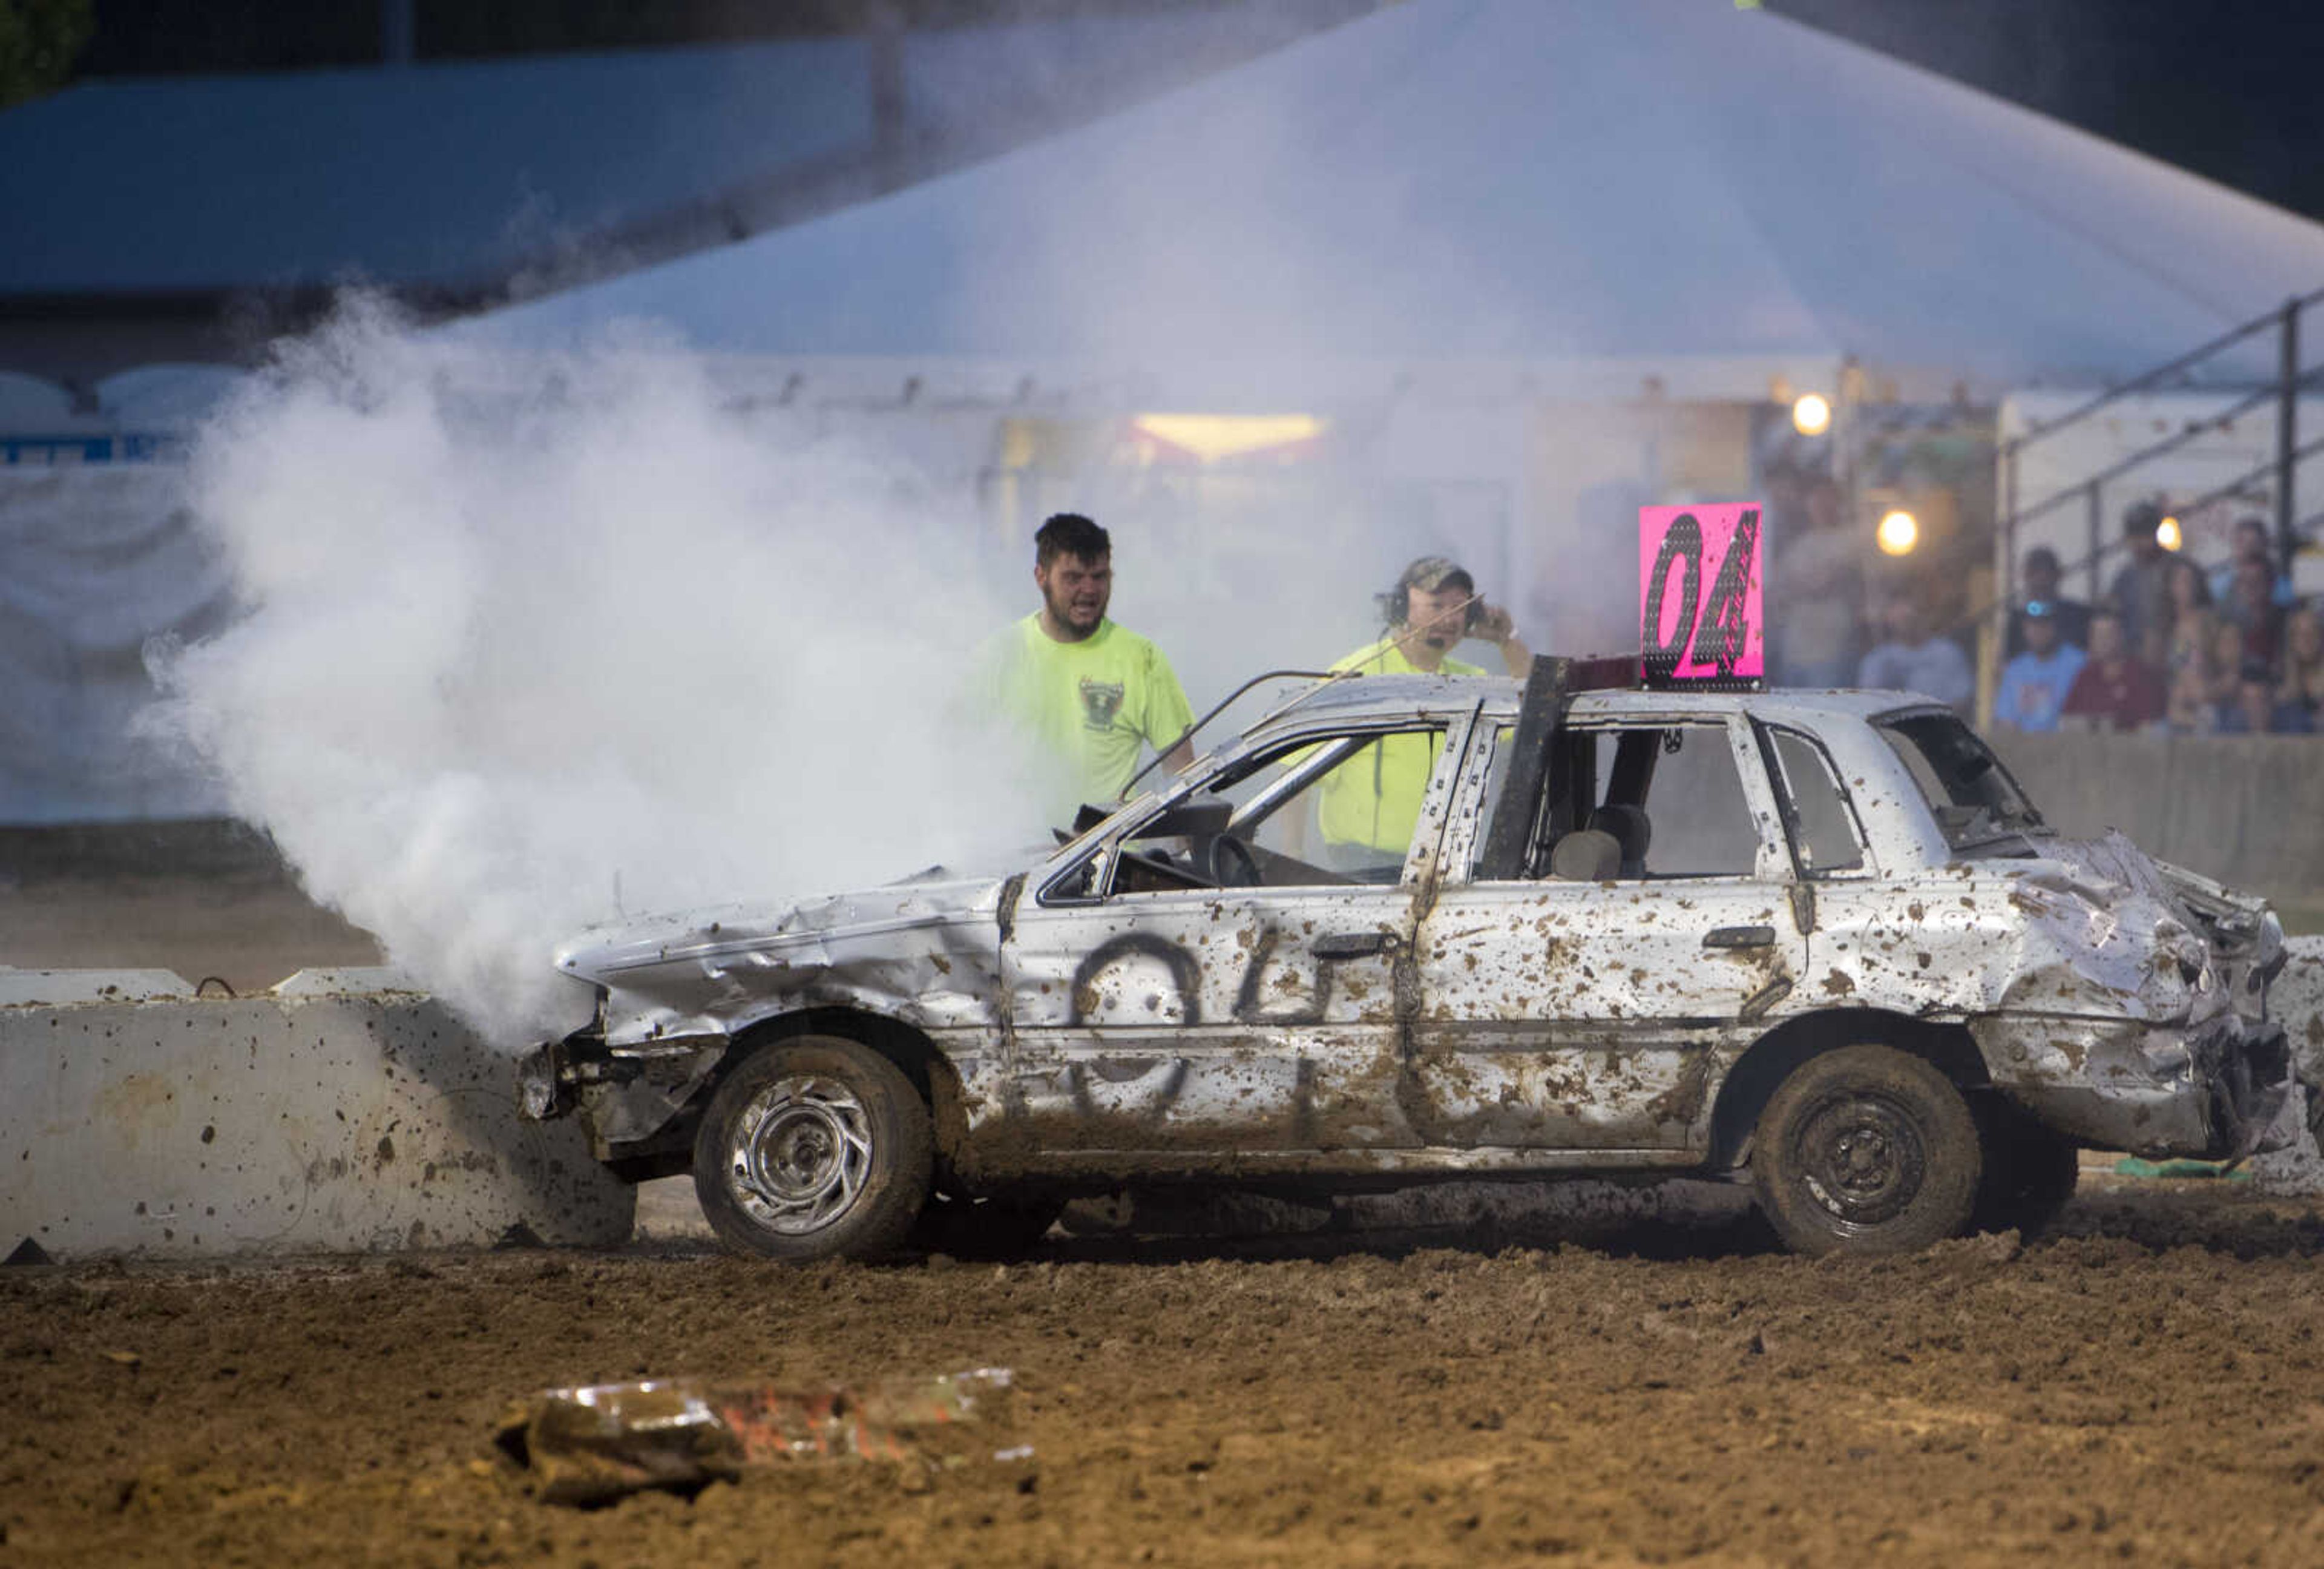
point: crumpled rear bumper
(2211, 1092)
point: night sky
(2228, 88)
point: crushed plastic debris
(599, 1443)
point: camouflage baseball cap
(1431, 573)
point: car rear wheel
(814, 1148)
(1865, 1150)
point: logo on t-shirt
(1101, 701)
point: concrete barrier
(340, 1111)
(2246, 809)
(2297, 999)
(2298, 996)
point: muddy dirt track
(2143, 1387)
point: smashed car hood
(926, 951)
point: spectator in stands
(2040, 577)
(2187, 643)
(2187, 706)
(2142, 588)
(2250, 541)
(2034, 684)
(2251, 608)
(1818, 636)
(2117, 689)
(1915, 659)
(2299, 688)
(2225, 677)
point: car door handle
(1353, 945)
(1739, 936)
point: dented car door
(1599, 1015)
(1205, 1021)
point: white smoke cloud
(520, 627)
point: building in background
(1478, 277)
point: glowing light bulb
(1900, 531)
(1810, 414)
(2169, 535)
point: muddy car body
(1818, 939)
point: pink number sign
(1699, 610)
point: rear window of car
(1971, 796)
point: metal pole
(2098, 544)
(2009, 551)
(2005, 604)
(2287, 435)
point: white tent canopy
(1657, 185)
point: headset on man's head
(1396, 602)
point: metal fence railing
(2283, 389)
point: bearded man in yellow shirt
(1370, 804)
(1088, 693)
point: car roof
(1443, 697)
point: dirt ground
(1637, 1383)
(2143, 1387)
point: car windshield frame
(1982, 803)
(1102, 844)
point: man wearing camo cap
(1370, 804)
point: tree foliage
(40, 40)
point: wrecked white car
(1819, 941)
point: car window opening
(1670, 806)
(1971, 795)
(1325, 811)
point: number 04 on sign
(1699, 614)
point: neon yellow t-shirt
(1373, 799)
(1089, 704)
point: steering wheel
(1231, 863)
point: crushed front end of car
(675, 993)
(2135, 1015)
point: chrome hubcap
(800, 1155)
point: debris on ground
(599, 1443)
(2132, 1166)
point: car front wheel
(814, 1148)
(1865, 1150)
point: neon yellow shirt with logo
(1089, 704)
(1373, 799)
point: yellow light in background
(1810, 414)
(1899, 532)
(2169, 535)
(1211, 436)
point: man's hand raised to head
(1494, 626)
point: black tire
(2030, 1173)
(1865, 1150)
(1006, 1227)
(815, 1147)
